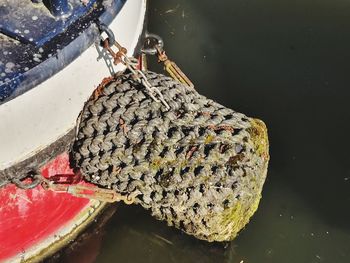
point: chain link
(67, 183)
(132, 64)
(89, 192)
(142, 79)
(34, 177)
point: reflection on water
(286, 62)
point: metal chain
(68, 183)
(35, 178)
(87, 191)
(142, 79)
(131, 63)
(154, 45)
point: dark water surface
(286, 62)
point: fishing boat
(51, 60)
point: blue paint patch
(29, 58)
(34, 23)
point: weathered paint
(30, 217)
(51, 108)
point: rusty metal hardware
(174, 71)
(67, 183)
(154, 45)
(131, 63)
(117, 56)
(30, 181)
(66, 178)
(90, 192)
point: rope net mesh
(199, 166)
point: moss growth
(155, 164)
(208, 139)
(235, 218)
(258, 134)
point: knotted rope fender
(199, 166)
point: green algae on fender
(233, 219)
(199, 166)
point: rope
(199, 166)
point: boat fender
(193, 163)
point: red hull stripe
(30, 216)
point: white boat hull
(42, 115)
